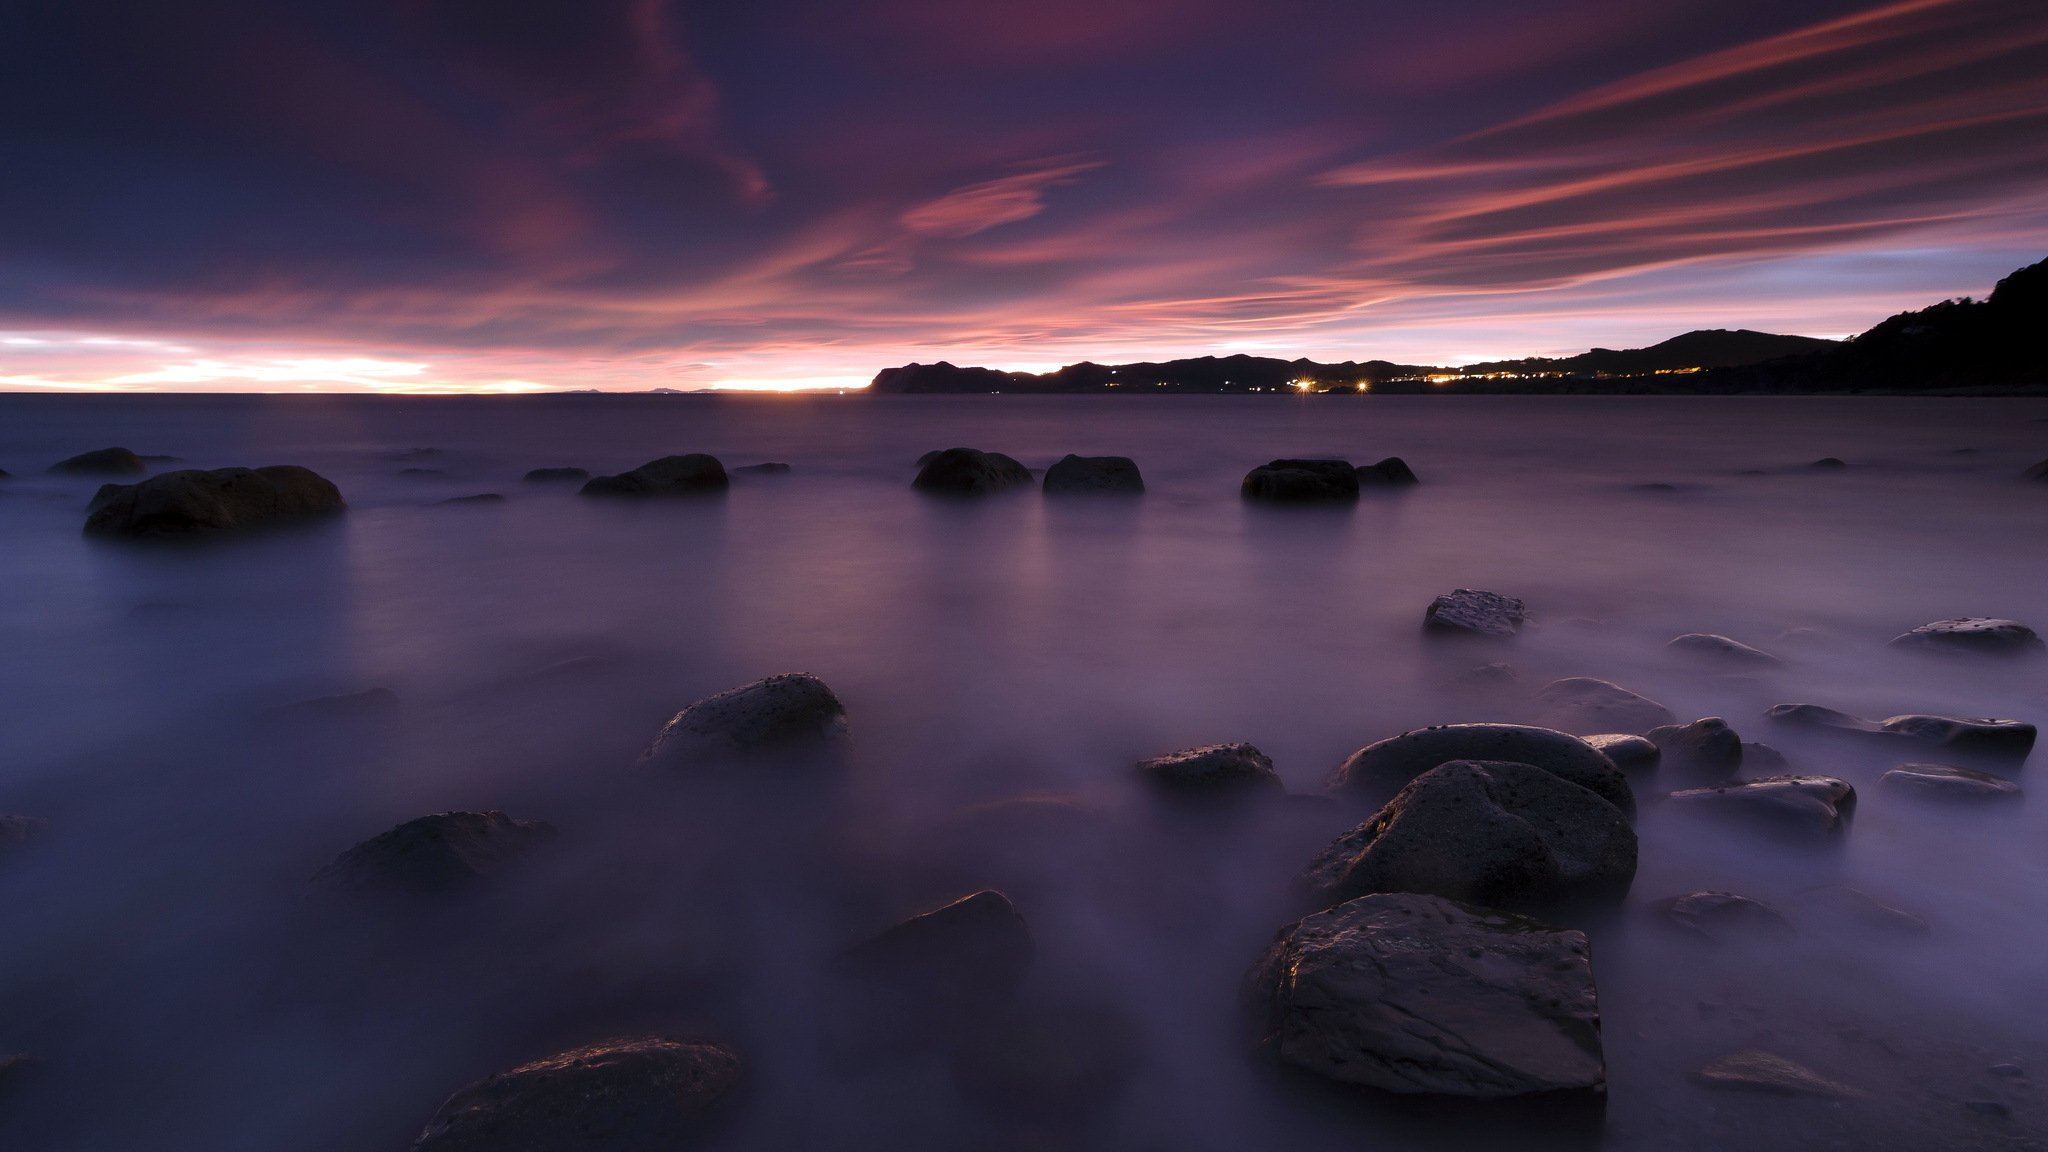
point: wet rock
(15, 1066)
(1723, 649)
(1393, 472)
(1758, 1071)
(548, 475)
(769, 468)
(781, 713)
(1996, 1108)
(1582, 704)
(1856, 907)
(1374, 773)
(369, 702)
(1472, 612)
(102, 462)
(1212, 769)
(2008, 1071)
(1629, 753)
(2011, 738)
(1816, 716)
(1495, 833)
(1048, 1066)
(643, 1094)
(1418, 994)
(1301, 482)
(192, 502)
(1087, 474)
(433, 854)
(1973, 634)
(1817, 805)
(16, 831)
(1708, 748)
(2037, 472)
(969, 472)
(1764, 758)
(477, 498)
(694, 474)
(1829, 463)
(975, 950)
(1722, 917)
(1945, 782)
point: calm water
(159, 956)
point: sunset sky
(400, 195)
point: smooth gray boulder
(194, 503)
(1582, 704)
(1758, 1071)
(1981, 635)
(1093, 474)
(103, 462)
(1724, 917)
(1374, 773)
(1628, 752)
(433, 855)
(549, 475)
(1712, 646)
(779, 714)
(1803, 804)
(640, 1094)
(1211, 769)
(1393, 472)
(1706, 748)
(1418, 994)
(1474, 612)
(969, 472)
(1495, 833)
(693, 474)
(1301, 482)
(1947, 782)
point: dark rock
(1487, 677)
(2011, 738)
(193, 502)
(413, 454)
(643, 1094)
(1043, 1066)
(1760, 1071)
(103, 462)
(433, 854)
(1471, 611)
(1973, 634)
(421, 473)
(1806, 804)
(1376, 772)
(1094, 474)
(969, 472)
(1213, 768)
(1722, 648)
(5, 474)
(16, 831)
(1393, 472)
(1829, 463)
(2009, 1071)
(1996, 1108)
(1581, 704)
(346, 706)
(1723, 916)
(1857, 907)
(1302, 482)
(1418, 994)
(1944, 782)
(478, 498)
(770, 468)
(1629, 753)
(543, 475)
(1494, 833)
(781, 713)
(694, 474)
(1816, 716)
(2037, 472)
(976, 949)
(15, 1066)
(1707, 748)
(1764, 758)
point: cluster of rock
(1305, 481)
(693, 474)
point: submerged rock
(1086, 474)
(1973, 634)
(780, 713)
(643, 1094)
(477, 498)
(1829, 463)
(969, 472)
(1376, 772)
(1393, 472)
(694, 474)
(545, 475)
(1808, 804)
(1301, 482)
(1764, 758)
(1722, 648)
(103, 462)
(978, 948)
(768, 468)
(1474, 612)
(1629, 753)
(1494, 833)
(345, 706)
(1418, 994)
(1760, 1071)
(433, 854)
(1946, 782)
(2013, 738)
(192, 502)
(2037, 472)
(1707, 747)
(1212, 769)
(1816, 716)
(1584, 704)
(1859, 908)
(1723, 916)
(16, 831)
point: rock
(1708, 747)
(1808, 804)
(1418, 994)
(1582, 704)
(1048, 1065)
(1492, 677)
(14, 1066)
(1470, 611)
(16, 831)
(1973, 634)
(346, 706)
(1764, 758)
(478, 498)
(694, 474)
(421, 473)
(1944, 782)
(1996, 1108)
(978, 949)
(968, 472)
(1829, 463)
(2009, 1071)
(1393, 472)
(2011, 738)
(1489, 832)
(1212, 769)
(2037, 472)
(1724, 916)
(1815, 716)
(781, 713)
(1760, 1071)
(546, 475)
(103, 462)
(1722, 648)
(1301, 482)
(1094, 474)
(643, 1094)
(769, 468)
(193, 502)
(1376, 772)
(1629, 753)
(1860, 908)
(412, 454)
(433, 854)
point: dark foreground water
(158, 954)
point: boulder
(433, 854)
(643, 1094)
(548, 475)
(1708, 748)
(968, 472)
(1721, 917)
(16, 831)
(193, 502)
(2010, 738)
(103, 462)
(1629, 753)
(1723, 649)
(1764, 758)
(1855, 907)
(695, 474)
(2037, 472)
(1829, 463)
(1946, 782)
(1376, 772)
(768, 468)
(1418, 994)
(779, 714)
(1973, 634)
(1214, 768)
(978, 948)
(1802, 804)
(1393, 472)
(1301, 482)
(1760, 1071)
(1816, 716)
(1089, 474)
(1472, 612)
(1582, 704)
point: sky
(518, 195)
